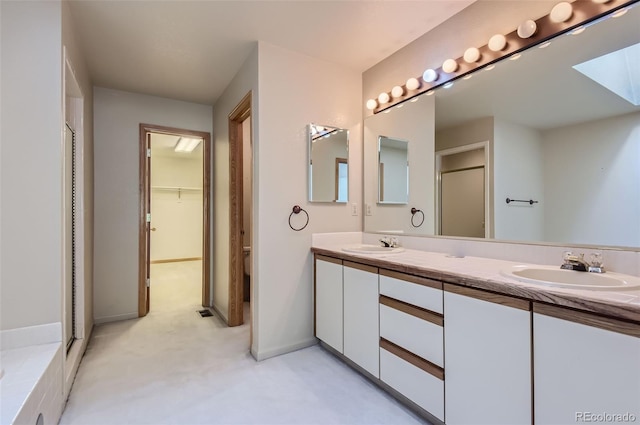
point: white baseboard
(116, 318)
(273, 352)
(219, 313)
(31, 335)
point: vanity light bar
(564, 17)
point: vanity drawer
(419, 291)
(419, 386)
(417, 335)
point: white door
(462, 203)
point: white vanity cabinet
(328, 301)
(487, 357)
(411, 339)
(361, 335)
(585, 367)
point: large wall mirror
(562, 129)
(393, 171)
(328, 164)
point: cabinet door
(328, 282)
(487, 359)
(361, 333)
(583, 371)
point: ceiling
(191, 50)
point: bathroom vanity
(460, 342)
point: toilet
(246, 263)
(246, 268)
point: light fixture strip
(186, 144)
(545, 30)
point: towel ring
(296, 210)
(413, 216)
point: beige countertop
(485, 274)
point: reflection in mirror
(463, 192)
(328, 164)
(412, 122)
(556, 134)
(393, 171)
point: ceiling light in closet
(186, 144)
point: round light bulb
(372, 104)
(429, 76)
(397, 92)
(527, 28)
(620, 12)
(383, 98)
(497, 42)
(578, 30)
(471, 55)
(561, 12)
(449, 66)
(412, 84)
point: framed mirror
(559, 137)
(328, 164)
(393, 171)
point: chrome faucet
(389, 242)
(578, 263)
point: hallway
(176, 367)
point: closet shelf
(173, 188)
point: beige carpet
(176, 367)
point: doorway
(175, 208)
(463, 191)
(239, 126)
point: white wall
(245, 81)
(414, 123)
(176, 214)
(31, 164)
(592, 175)
(518, 174)
(117, 116)
(294, 91)
(395, 173)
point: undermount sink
(372, 249)
(554, 276)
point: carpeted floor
(176, 367)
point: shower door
(70, 212)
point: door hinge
(148, 153)
(148, 217)
(148, 282)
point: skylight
(617, 71)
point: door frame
(236, 296)
(488, 190)
(144, 201)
